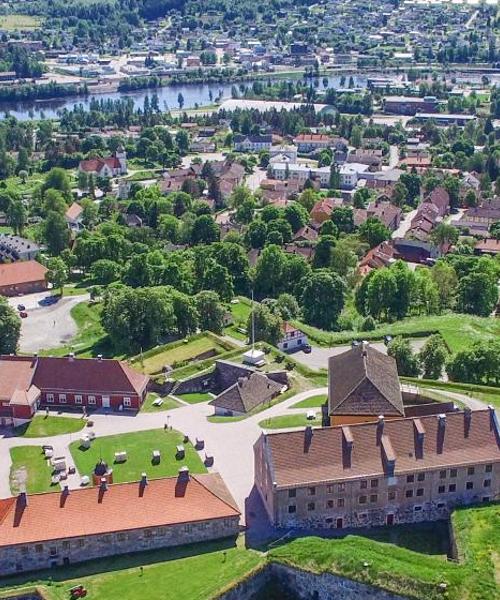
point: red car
(23, 314)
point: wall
(288, 583)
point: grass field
(240, 312)
(29, 465)
(459, 331)
(284, 421)
(487, 394)
(168, 403)
(196, 398)
(178, 352)
(139, 446)
(12, 22)
(43, 426)
(195, 572)
(313, 402)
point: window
(410, 478)
(50, 398)
(311, 491)
(62, 398)
(363, 484)
(311, 506)
(469, 485)
(340, 503)
(292, 493)
(66, 545)
(329, 489)
(373, 498)
(486, 498)
(441, 489)
(374, 483)
(25, 549)
(362, 499)
(39, 548)
(417, 508)
(53, 551)
(453, 472)
(470, 471)
(488, 468)
(127, 402)
(341, 487)
(420, 491)
(329, 504)
(91, 399)
(78, 399)
(292, 508)
(81, 543)
(162, 531)
(148, 533)
(121, 537)
(487, 483)
(421, 477)
(409, 493)
(442, 474)
(440, 505)
(452, 487)
(391, 496)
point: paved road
(318, 358)
(400, 232)
(46, 326)
(253, 181)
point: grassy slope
(37, 470)
(168, 403)
(293, 420)
(487, 394)
(195, 398)
(42, 426)
(313, 402)
(139, 446)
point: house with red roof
(22, 277)
(292, 338)
(112, 166)
(323, 209)
(28, 382)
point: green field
(139, 446)
(313, 402)
(285, 421)
(458, 331)
(196, 398)
(168, 403)
(240, 311)
(487, 394)
(43, 426)
(12, 22)
(30, 466)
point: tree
(477, 294)
(444, 235)
(399, 194)
(334, 182)
(58, 179)
(411, 181)
(380, 295)
(452, 185)
(17, 216)
(406, 361)
(308, 199)
(495, 230)
(322, 299)
(446, 280)
(210, 312)
(57, 273)
(181, 202)
(287, 306)
(478, 364)
(267, 325)
(323, 252)
(55, 232)
(54, 201)
(180, 100)
(256, 234)
(10, 328)
(296, 215)
(218, 278)
(373, 232)
(205, 230)
(105, 271)
(169, 228)
(433, 356)
(361, 198)
(343, 218)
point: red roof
(94, 165)
(21, 272)
(16, 373)
(91, 511)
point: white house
(74, 217)
(252, 143)
(106, 167)
(293, 338)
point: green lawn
(30, 466)
(176, 353)
(195, 572)
(487, 394)
(240, 311)
(43, 426)
(459, 331)
(12, 22)
(196, 398)
(168, 403)
(313, 402)
(139, 446)
(284, 421)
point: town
(249, 300)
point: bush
(368, 324)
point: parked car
(23, 314)
(48, 300)
(21, 307)
(306, 349)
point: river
(194, 94)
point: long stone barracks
(46, 530)
(391, 471)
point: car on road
(21, 307)
(23, 314)
(306, 349)
(48, 300)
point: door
(390, 519)
(106, 402)
(340, 523)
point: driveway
(253, 181)
(318, 358)
(401, 231)
(46, 326)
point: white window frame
(62, 399)
(78, 399)
(50, 398)
(91, 400)
(127, 402)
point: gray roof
(364, 380)
(247, 393)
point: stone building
(47, 530)
(363, 383)
(368, 474)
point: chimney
(494, 423)
(380, 428)
(71, 355)
(144, 480)
(467, 421)
(104, 484)
(441, 432)
(347, 446)
(99, 357)
(66, 490)
(364, 347)
(442, 420)
(184, 473)
(23, 498)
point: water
(194, 93)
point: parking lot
(46, 326)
